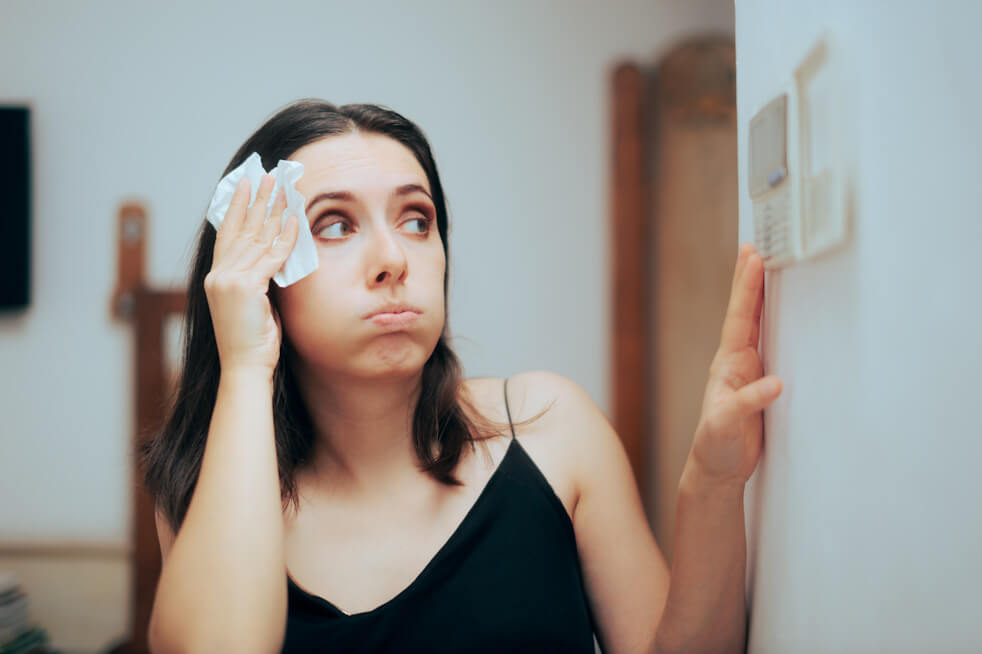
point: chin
(394, 356)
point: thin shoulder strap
(508, 411)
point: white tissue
(303, 259)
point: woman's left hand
(729, 436)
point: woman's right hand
(246, 330)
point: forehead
(358, 162)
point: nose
(387, 259)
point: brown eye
(423, 222)
(338, 223)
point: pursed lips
(393, 310)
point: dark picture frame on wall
(15, 210)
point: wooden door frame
(629, 345)
(678, 80)
(148, 310)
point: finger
(257, 212)
(738, 325)
(752, 398)
(758, 309)
(279, 204)
(247, 250)
(273, 224)
(232, 222)
(280, 251)
(742, 253)
(258, 246)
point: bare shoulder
(529, 393)
(583, 459)
(562, 439)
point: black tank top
(507, 580)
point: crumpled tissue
(303, 258)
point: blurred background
(602, 162)
(142, 105)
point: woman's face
(377, 244)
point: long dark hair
(444, 419)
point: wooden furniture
(147, 310)
(674, 245)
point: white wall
(864, 517)
(133, 100)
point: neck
(364, 428)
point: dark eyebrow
(348, 196)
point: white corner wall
(149, 101)
(865, 516)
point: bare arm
(223, 583)
(700, 606)
(706, 607)
(640, 607)
(624, 573)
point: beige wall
(863, 517)
(79, 595)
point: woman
(335, 485)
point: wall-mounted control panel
(795, 168)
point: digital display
(15, 210)
(768, 146)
